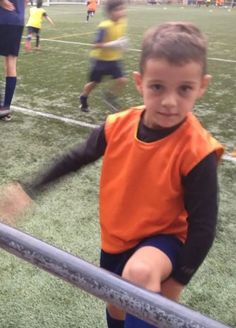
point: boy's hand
(13, 202)
(7, 5)
(171, 289)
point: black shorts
(101, 68)
(168, 244)
(32, 29)
(10, 38)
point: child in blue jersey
(107, 53)
(11, 28)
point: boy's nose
(169, 101)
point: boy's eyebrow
(189, 82)
(181, 82)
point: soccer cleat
(27, 46)
(84, 108)
(6, 118)
(4, 112)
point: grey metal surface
(146, 305)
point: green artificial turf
(50, 81)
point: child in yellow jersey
(107, 53)
(158, 187)
(34, 24)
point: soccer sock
(9, 90)
(83, 101)
(114, 323)
(37, 40)
(134, 322)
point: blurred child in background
(106, 56)
(91, 9)
(34, 24)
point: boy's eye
(157, 87)
(186, 88)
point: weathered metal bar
(146, 305)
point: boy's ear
(204, 84)
(138, 81)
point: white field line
(54, 117)
(130, 49)
(76, 122)
(229, 158)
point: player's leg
(30, 31)
(149, 267)
(10, 67)
(37, 35)
(114, 263)
(84, 95)
(10, 85)
(110, 96)
(87, 17)
(95, 77)
(10, 50)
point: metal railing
(151, 307)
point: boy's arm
(201, 203)
(88, 152)
(16, 198)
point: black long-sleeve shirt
(200, 193)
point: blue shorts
(168, 244)
(10, 38)
(101, 68)
(32, 29)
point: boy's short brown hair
(113, 4)
(176, 42)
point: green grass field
(49, 82)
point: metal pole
(146, 305)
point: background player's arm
(48, 19)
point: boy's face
(169, 91)
(117, 13)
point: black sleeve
(201, 203)
(89, 151)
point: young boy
(91, 9)
(158, 188)
(107, 53)
(34, 24)
(12, 13)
